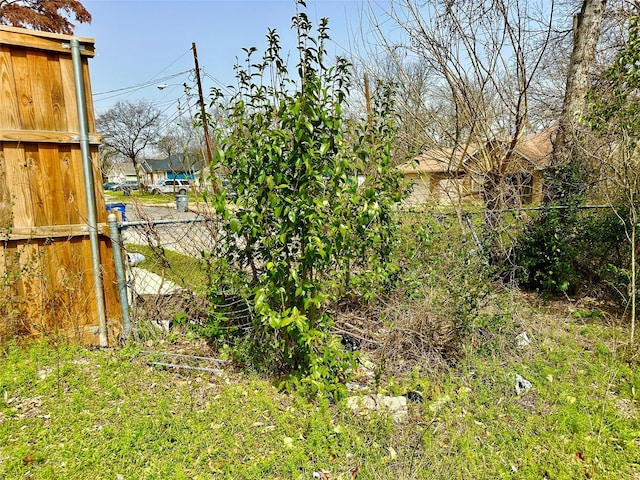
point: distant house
(436, 176)
(516, 168)
(176, 166)
(122, 171)
(441, 176)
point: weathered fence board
(46, 272)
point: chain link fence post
(116, 242)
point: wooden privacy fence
(47, 271)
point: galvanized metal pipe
(116, 243)
(89, 190)
(171, 221)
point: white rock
(396, 407)
(522, 340)
(522, 385)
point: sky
(141, 44)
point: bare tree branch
(130, 128)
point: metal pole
(203, 113)
(116, 242)
(89, 190)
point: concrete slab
(144, 282)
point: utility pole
(367, 97)
(203, 113)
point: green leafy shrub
(602, 249)
(587, 253)
(301, 228)
(546, 249)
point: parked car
(170, 186)
(109, 185)
(126, 187)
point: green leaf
(285, 321)
(274, 321)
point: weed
(116, 415)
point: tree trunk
(586, 32)
(634, 222)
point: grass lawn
(183, 270)
(72, 413)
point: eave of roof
(538, 147)
(435, 161)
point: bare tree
(130, 128)
(45, 15)
(480, 63)
(497, 69)
(482, 58)
(550, 87)
(181, 138)
(415, 102)
(170, 144)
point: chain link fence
(169, 267)
(167, 253)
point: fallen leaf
(28, 459)
(579, 456)
(355, 472)
(215, 464)
(392, 453)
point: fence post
(116, 243)
(90, 195)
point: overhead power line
(153, 82)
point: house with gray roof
(177, 166)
